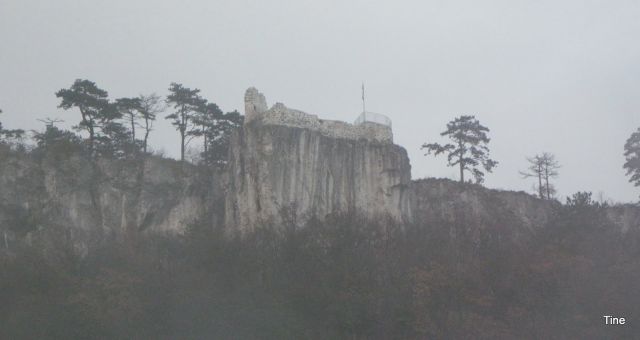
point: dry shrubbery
(342, 278)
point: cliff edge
(285, 161)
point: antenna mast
(363, 109)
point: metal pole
(363, 108)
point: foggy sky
(556, 76)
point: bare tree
(150, 106)
(535, 170)
(544, 167)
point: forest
(342, 278)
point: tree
(206, 119)
(219, 137)
(469, 149)
(550, 166)
(95, 109)
(131, 109)
(580, 199)
(535, 170)
(186, 102)
(632, 155)
(215, 127)
(115, 141)
(149, 107)
(8, 134)
(544, 167)
(57, 141)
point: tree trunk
(205, 140)
(183, 131)
(181, 146)
(540, 188)
(461, 161)
(546, 177)
(92, 136)
(146, 134)
(133, 129)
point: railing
(374, 118)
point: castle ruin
(286, 159)
(369, 125)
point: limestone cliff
(443, 202)
(285, 160)
(63, 197)
(283, 164)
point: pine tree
(9, 134)
(632, 155)
(469, 149)
(96, 111)
(206, 120)
(219, 138)
(130, 109)
(186, 102)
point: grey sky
(557, 76)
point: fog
(561, 77)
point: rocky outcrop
(118, 199)
(286, 161)
(512, 214)
(284, 164)
(625, 216)
(275, 170)
(443, 202)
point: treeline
(120, 128)
(345, 278)
(468, 150)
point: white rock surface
(287, 161)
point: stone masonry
(279, 114)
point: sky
(555, 76)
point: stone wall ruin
(279, 114)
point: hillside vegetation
(342, 278)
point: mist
(542, 75)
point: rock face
(285, 161)
(513, 214)
(284, 164)
(625, 217)
(59, 196)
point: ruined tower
(254, 104)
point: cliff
(61, 197)
(283, 164)
(443, 202)
(288, 162)
(277, 170)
